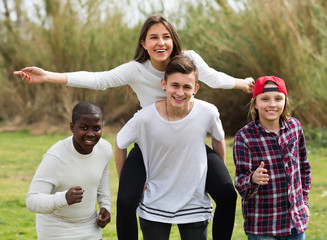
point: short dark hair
(85, 107)
(181, 64)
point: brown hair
(141, 55)
(181, 64)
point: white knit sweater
(63, 167)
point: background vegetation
(21, 154)
(245, 38)
(242, 38)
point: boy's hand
(104, 218)
(74, 195)
(260, 175)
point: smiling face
(159, 45)
(270, 106)
(87, 131)
(179, 89)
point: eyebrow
(155, 34)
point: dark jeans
(161, 231)
(293, 236)
(132, 179)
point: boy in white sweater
(71, 178)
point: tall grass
(70, 36)
(285, 38)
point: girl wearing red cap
(273, 174)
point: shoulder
(60, 146)
(294, 121)
(294, 125)
(247, 131)
(130, 67)
(204, 103)
(103, 148)
(104, 143)
(140, 117)
(205, 106)
(191, 54)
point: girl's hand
(260, 175)
(249, 84)
(307, 212)
(32, 75)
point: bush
(284, 38)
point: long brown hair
(141, 55)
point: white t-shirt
(175, 161)
(63, 167)
(144, 79)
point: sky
(129, 7)
(132, 16)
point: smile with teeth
(271, 111)
(178, 99)
(88, 141)
(161, 50)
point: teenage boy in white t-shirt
(171, 135)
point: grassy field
(21, 153)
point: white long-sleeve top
(63, 167)
(144, 79)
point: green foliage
(316, 138)
(285, 38)
(71, 36)
(21, 154)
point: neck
(160, 66)
(175, 113)
(273, 126)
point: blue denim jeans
(293, 236)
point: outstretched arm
(38, 75)
(120, 158)
(246, 84)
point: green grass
(21, 153)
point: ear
(254, 102)
(71, 127)
(163, 84)
(196, 88)
(143, 45)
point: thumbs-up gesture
(260, 175)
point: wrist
(54, 77)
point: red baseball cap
(260, 83)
